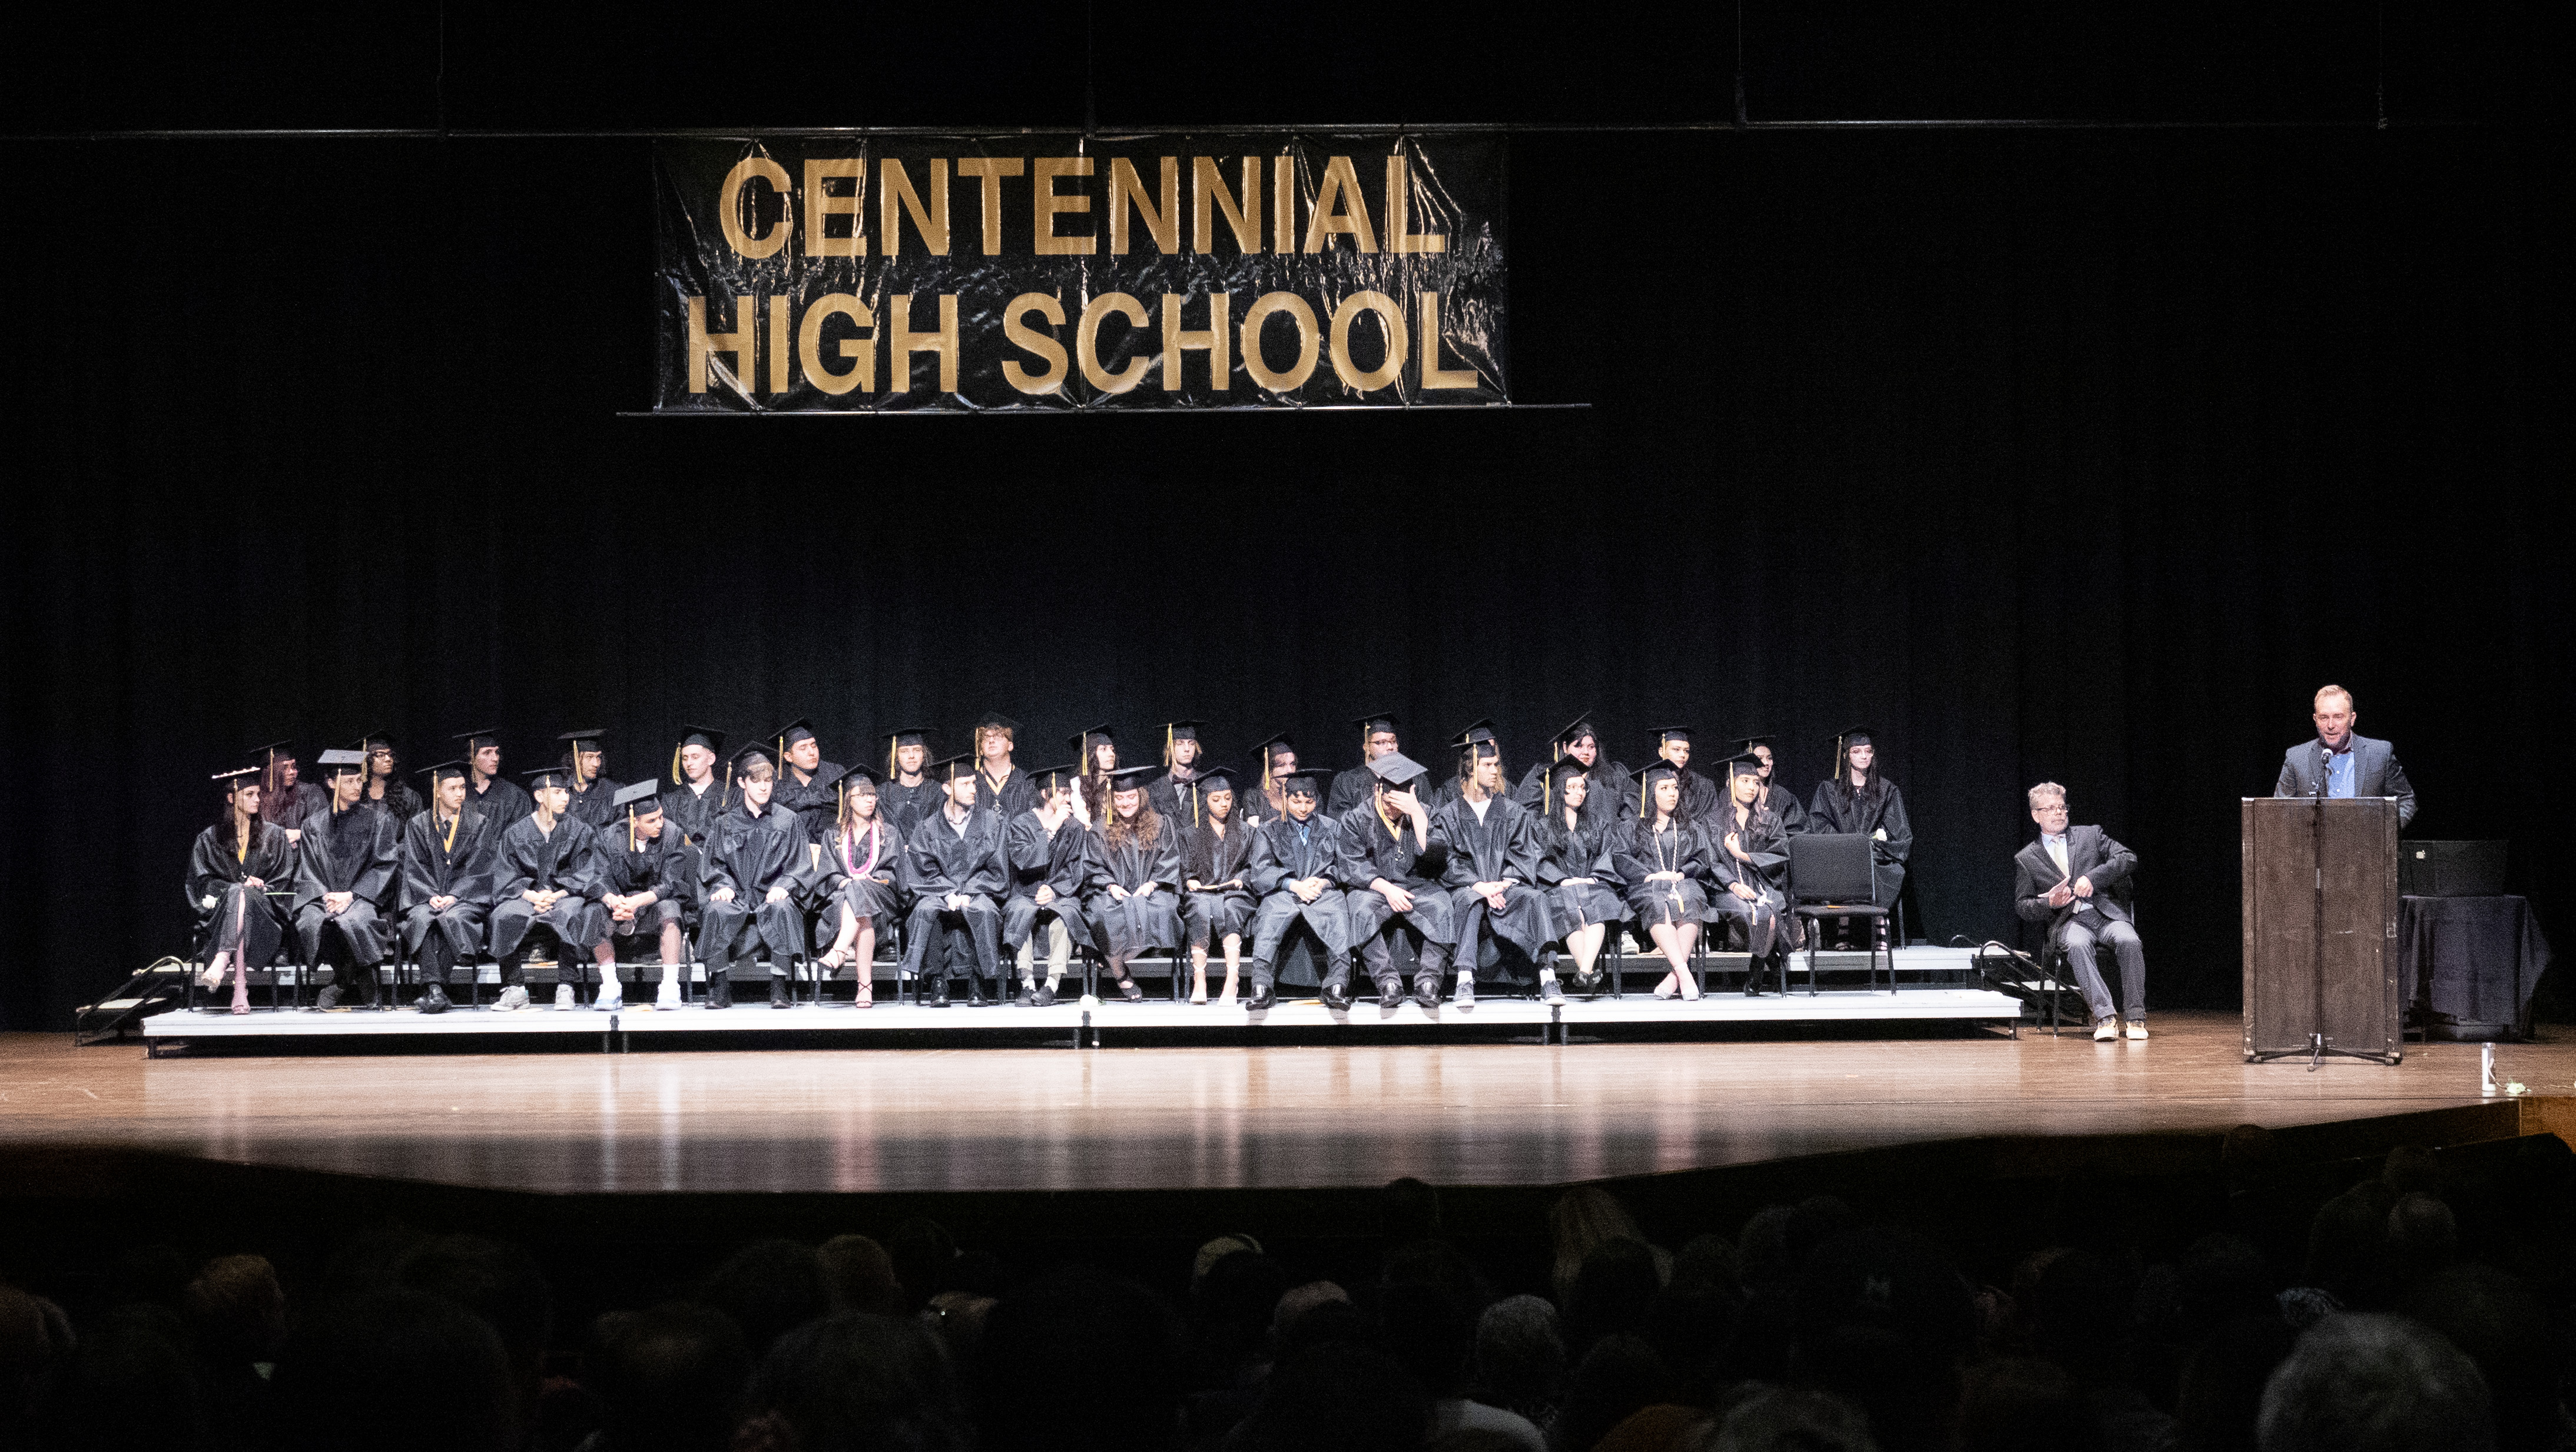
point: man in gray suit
(2346, 764)
(2074, 879)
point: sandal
(1128, 990)
(835, 959)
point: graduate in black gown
(594, 795)
(1178, 793)
(344, 885)
(1776, 796)
(1610, 795)
(957, 867)
(1001, 786)
(908, 791)
(1856, 799)
(1357, 785)
(1216, 866)
(856, 881)
(545, 879)
(285, 798)
(701, 790)
(747, 884)
(495, 800)
(1662, 862)
(1294, 876)
(1050, 857)
(1750, 862)
(645, 889)
(1574, 862)
(805, 779)
(386, 791)
(1464, 745)
(1492, 875)
(1392, 870)
(447, 853)
(232, 870)
(1699, 794)
(1264, 798)
(1134, 901)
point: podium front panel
(2320, 905)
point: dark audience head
(396, 1371)
(856, 1382)
(1789, 1419)
(495, 1280)
(2220, 1278)
(129, 1384)
(2222, 1383)
(2022, 1405)
(1583, 1219)
(29, 1361)
(2423, 1237)
(769, 1288)
(1338, 1396)
(2413, 1169)
(2348, 1246)
(2374, 1383)
(1519, 1360)
(1407, 1209)
(1612, 1294)
(1611, 1381)
(1885, 1321)
(2495, 1320)
(923, 1253)
(2080, 1313)
(1047, 1390)
(1762, 1250)
(671, 1379)
(1429, 1333)
(237, 1310)
(858, 1275)
(1438, 1263)
(1231, 1308)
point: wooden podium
(2321, 929)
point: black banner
(1027, 271)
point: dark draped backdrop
(2071, 453)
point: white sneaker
(565, 997)
(512, 997)
(612, 996)
(668, 995)
(2107, 1031)
(2137, 1030)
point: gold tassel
(675, 767)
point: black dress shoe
(1045, 995)
(975, 993)
(939, 993)
(1028, 996)
(1263, 997)
(1336, 996)
(1427, 993)
(720, 990)
(778, 993)
(1390, 993)
(433, 999)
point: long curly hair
(224, 824)
(1144, 829)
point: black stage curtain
(2077, 455)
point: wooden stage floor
(1175, 1118)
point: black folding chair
(1829, 877)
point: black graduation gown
(1503, 847)
(1765, 841)
(1007, 801)
(1837, 808)
(433, 865)
(1640, 850)
(1124, 927)
(1208, 917)
(691, 816)
(501, 802)
(658, 865)
(351, 852)
(871, 891)
(1350, 788)
(751, 854)
(1284, 851)
(939, 859)
(214, 874)
(1182, 803)
(1061, 862)
(293, 806)
(1782, 803)
(564, 860)
(1582, 850)
(1370, 851)
(904, 807)
(1609, 799)
(399, 802)
(597, 807)
(816, 806)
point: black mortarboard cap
(1181, 730)
(794, 731)
(706, 736)
(273, 751)
(1574, 731)
(1681, 734)
(850, 778)
(441, 772)
(336, 761)
(1089, 737)
(582, 740)
(1747, 743)
(1216, 779)
(1744, 764)
(643, 796)
(1374, 722)
(1055, 778)
(1267, 746)
(908, 736)
(996, 718)
(231, 781)
(1132, 778)
(1395, 768)
(1307, 778)
(952, 767)
(546, 776)
(374, 739)
(1554, 781)
(1477, 734)
(757, 751)
(477, 740)
(1851, 736)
